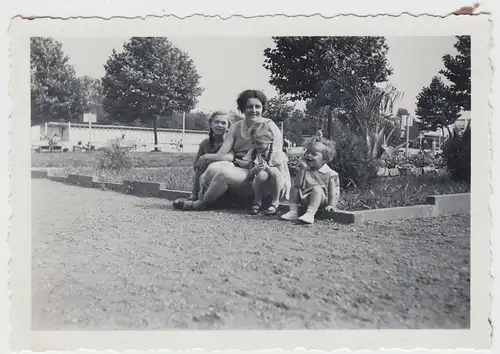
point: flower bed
(176, 173)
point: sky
(230, 65)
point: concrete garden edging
(437, 205)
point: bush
(456, 153)
(114, 158)
(351, 161)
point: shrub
(456, 153)
(293, 164)
(351, 162)
(114, 158)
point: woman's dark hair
(247, 94)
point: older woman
(222, 175)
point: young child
(219, 124)
(268, 167)
(316, 184)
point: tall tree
(457, 71)
(54, 87)
(279, 109)
(302, 67)
(434, 109)
(402, 112)
(92, 97)
(149, 80)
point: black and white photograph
(279, 182)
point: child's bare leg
(293, 213)
(277, 185)
(258, 183)
(316, 198)
(196, 185)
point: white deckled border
(226, 340)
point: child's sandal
(256, 208)
(272, 210)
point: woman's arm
(226, 147)
(201, 152)
(278, 136)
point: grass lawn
(175, 170)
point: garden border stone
(437, 205)
(451, 203)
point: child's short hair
(262, 132)
(329, 151)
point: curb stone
(437, 205)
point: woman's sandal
(272, 210)
(179, 203)
(256, 208)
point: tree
(302, 67)
(54, 87)
(457, 71)
(279, 109)
(148, 80)
(402, 112)
(434, 108)
(92, 97)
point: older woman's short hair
(247, 94)
(329, 151)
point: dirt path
(103, 260)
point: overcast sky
(229, 65)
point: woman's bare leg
(224, 175)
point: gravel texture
(104, 260)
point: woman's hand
(201, 162)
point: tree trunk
(155, 133)
(330, 123)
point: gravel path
(103, 260)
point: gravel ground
(103, 260)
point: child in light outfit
(268, 167)
(316, 184)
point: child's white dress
(311, 178)
(278, 160)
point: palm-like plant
(367, 108)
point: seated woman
(222, 175)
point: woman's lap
(233, 176)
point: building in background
(141, 138)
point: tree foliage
(90, 92)
(458, 71)
(148, 80)
(279, 109)
(301, 66)
(434, 108)
(54, 87)
(369, 110)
